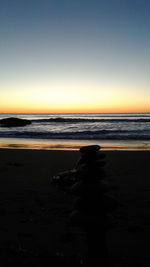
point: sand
(34, 213)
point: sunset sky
(74, 56)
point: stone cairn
(92, 203)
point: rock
(82, 188)
(14, 122)
(89, 158)
(90, 149)
(87, 172)
(93, 165)
(111, 203)
(90, 205)
(64, 179)
(78, 219)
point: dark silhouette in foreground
(14, 122)
(92, 204)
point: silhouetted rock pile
(14, 122)
(92, 201)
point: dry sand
(33, 213)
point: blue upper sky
(98, 48)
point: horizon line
(74, 112)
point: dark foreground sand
(33, 213)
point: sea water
(70, 131)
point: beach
(34, 212)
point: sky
(74, 56)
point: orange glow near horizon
(77, 97)
(76, 110)
(98, 107)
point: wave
(84, 120)
(82, 135)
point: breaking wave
(91, 120)
(82, 135)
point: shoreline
(61, 144)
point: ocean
(114, 131)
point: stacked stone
(87, 183)
(87, 188)
(89, 207)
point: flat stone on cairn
(90, 149)
(90, 154)
(80, 188)
(78, 219)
